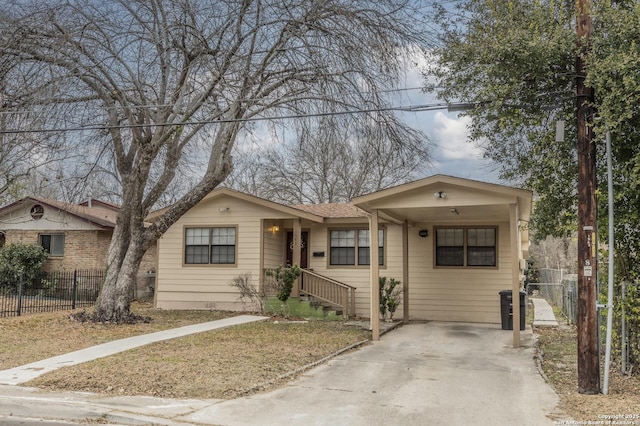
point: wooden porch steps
(329, 309)
(328, 293)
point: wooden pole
(587, 325)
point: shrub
(249, 294)
(283, 279)
(19, 258)
(390, 293)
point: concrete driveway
(420, 374)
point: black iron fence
(47, 292)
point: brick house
(76, 236)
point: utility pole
(588, 359)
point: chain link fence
(558, 288)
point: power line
(409, 108)
(149, 106)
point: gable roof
(391, 199)
(102, 215)
(219, 192)
(420, 192)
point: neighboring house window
(466, 246)
(52, 244)
(352, 247)
(210, 246)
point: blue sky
(453, 153)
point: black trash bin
(506, 309)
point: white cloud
(451, 136)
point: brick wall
(82, 249)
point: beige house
(453, 243)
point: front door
(304, 249)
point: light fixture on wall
(424, 233)
(274, 229)
(454, 211)
(440, 194)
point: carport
(462, 242)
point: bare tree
(22, 155)
(334, 159)
(556, 253)
(148, 78)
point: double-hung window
(216, 246)
(466, 246)
(52, 244)
(351, 247)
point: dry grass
(558, 349)
(218, 364)
(33, 337)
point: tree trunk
(115, 299)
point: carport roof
(446, 198)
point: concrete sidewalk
(543, 315)
(422, 373)
(28, 372)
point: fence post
(20, 281)
(75, 288)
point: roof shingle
(332, 210)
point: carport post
(515, 273)
(405, 270)
(295, 260)
(375, 275)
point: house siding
(181, 286)
(440, 294)
(464, 294)
(358, 277)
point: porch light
(424, 233)
(454, 211)
(274, 229)
(440, 194)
